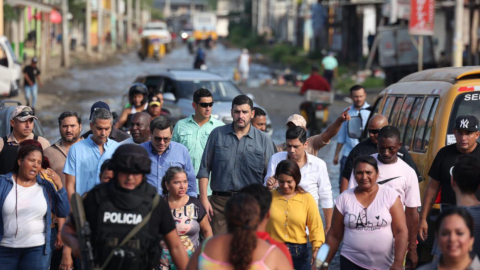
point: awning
(31, 3)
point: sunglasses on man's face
(205, 104)
(373, 131)
(159, 139)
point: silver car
(178, 87)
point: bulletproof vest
(8, 155)
(113, 224)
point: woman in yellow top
(292, 210)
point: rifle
(83, 233)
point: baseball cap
(466, 122)
(297, 120)
(34, 60)
(154, 101)
(131, 158)
(22, 113)
(98, 105)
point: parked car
(10, 70)
(178, 87)
(6, 108)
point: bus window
(392, 120)
(387, 109)
(412, 121)
(404, 114)
(422, 124)
(426, 139)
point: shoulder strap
(270, 249)
(133, 232)
(35, 137)
(5, 139)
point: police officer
(113, 209)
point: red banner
(422, 17)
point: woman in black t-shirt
(188, 213)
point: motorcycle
(315, 109)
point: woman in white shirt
(26, 201)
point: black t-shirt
(440, 170)
(32, 73)
(368, 148)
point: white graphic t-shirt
(368, 239)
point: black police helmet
(138, 88)
(131, 158)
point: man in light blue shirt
(84, 159)
(358, 95)
(193, 131)
(165, 154)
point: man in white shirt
(314, 172)
(398, 175)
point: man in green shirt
(194, 130)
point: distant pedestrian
(244, 61)
(236, 155)
(345, 144)
(137, 97)
(106, 171)
(155, 106)
(165, 154)
(22, 124)
(115, 134)
(330, 68)
(259, 120)
(31, 74)
(139, 128)
(82, 167)
(193, 131)
(315, 82)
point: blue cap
(98, 105)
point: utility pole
(129, 22)
(192, 9)
(99, 25)
(458, 40)
(88, 18)
(1, 17)
(113, 23)
(137, 15)
(65, 35)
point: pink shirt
(368, 239)
(400, 177)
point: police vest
(113, 224)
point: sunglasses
(159, 139)
(22, 114)
(205, 104)
(373, 131)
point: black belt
(224, 193)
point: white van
(10, 70)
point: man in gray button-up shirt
(236, 155)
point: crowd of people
(207, 195)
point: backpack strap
(35, 137)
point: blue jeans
(300, 256)
(24, 258)
(342, 167)
(31, 91)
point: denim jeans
(300, 256)
(32, 258)
(31, 91)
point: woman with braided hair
(239, 249)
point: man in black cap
(113, 209)
(466, 135)
(116, 134)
